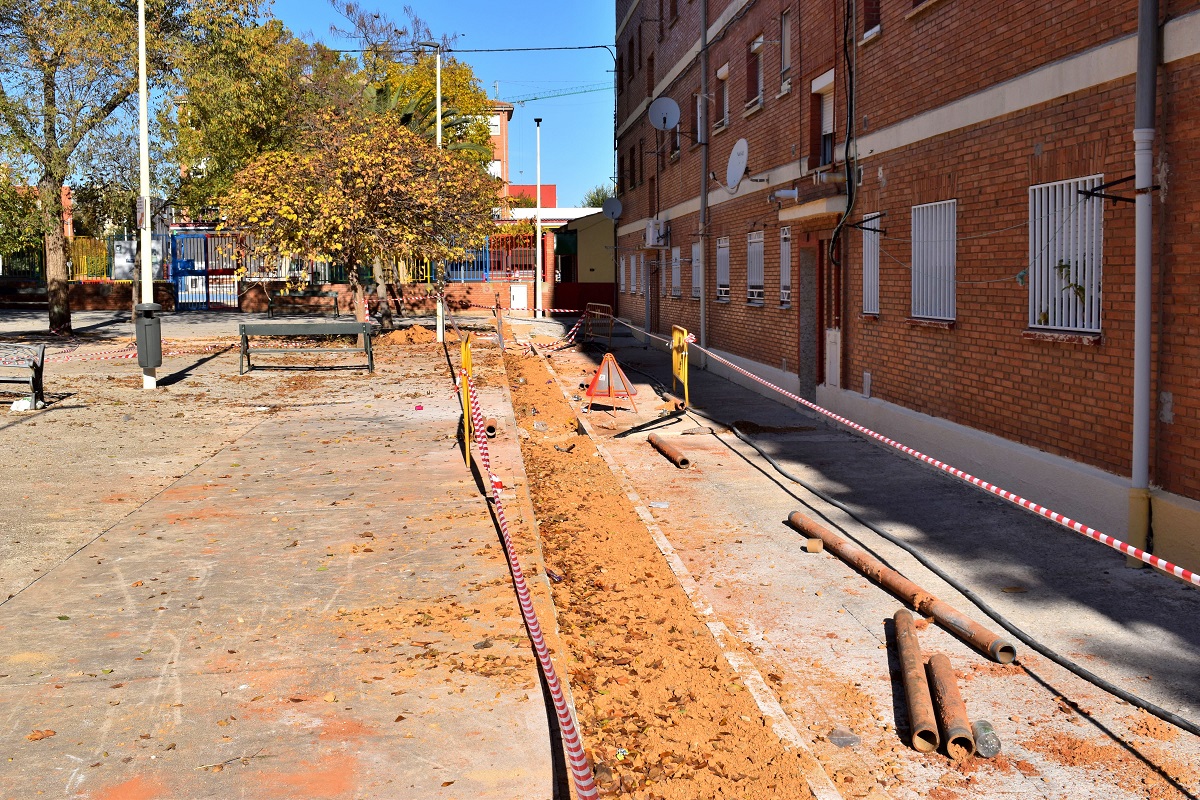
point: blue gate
(203, 270)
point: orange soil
(662, 713)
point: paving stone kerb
(240, 633)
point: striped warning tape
(581, 771)
(1012, 497)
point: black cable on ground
(966, 592)
(980, 603)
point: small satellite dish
(664, 114)
(738, 158)
(611, 208)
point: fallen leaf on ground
(38, 735)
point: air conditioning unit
(657, 233)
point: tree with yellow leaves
(358, 190)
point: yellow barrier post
(679, 359)
(466, 397)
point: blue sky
(577, 143)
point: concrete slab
(822, 631)
(322, 609)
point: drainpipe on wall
(1143, 160)
(702, 135)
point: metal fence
(115, 258)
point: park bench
(308, 330)
(302, 300)
(27, 361)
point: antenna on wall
(664, 114)
(739, 157)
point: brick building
(955, 285)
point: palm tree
(419, 115)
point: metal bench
(279, 300)
(28, 360)
(307, 329)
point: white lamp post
(441, 306)
(537, 281)
(437, 86)
(149, 380)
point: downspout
(702, 135)
(1143, 160)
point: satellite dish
(611, 208)
(664, 114)
(738, 158)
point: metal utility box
(148, 330)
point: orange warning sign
(610, 381)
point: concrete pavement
(322, 609)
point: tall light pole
(537, 281)
(437, 86)
(149, 380)
(441, 304)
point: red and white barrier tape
(581, 772)
(569, 339)
(1012, 497)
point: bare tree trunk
(57, 276)
(385, 304)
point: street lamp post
(437, 86)
(537, 281)
(441, 303)
(149, 380)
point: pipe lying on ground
(672, 454)
(1000, 649)
(675, 402)
(922, 722)
(987, 741)
(951, 711)
(490, 427)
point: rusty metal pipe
(922, 722)
(1000, 649)
(490, 427)
(675, 402)
(669, 450)
(951, 711)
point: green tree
(20, 218)
(249, 93)
(360, 189)
(68, 71)
(595, 197)
(399, 70)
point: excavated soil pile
(662, 713)
(414, 334)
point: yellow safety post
(465, 394)
(679, 359)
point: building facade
(903, 211)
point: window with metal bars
(633, 275)
(870, 263)
(934, 246)
(675, 264)
(641, 284)
(785, 266)
(621, 274)
(697, 269)
(754, 267)
(723, 268)
(1066, 244)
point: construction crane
(585, 89)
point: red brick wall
(1066, 398)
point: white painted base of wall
(784, 380)
(1087, 494)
